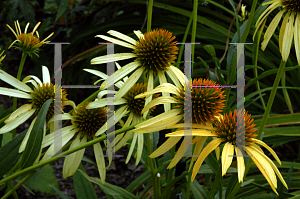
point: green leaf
(173, 181)
(199, 191)
(83, 188)
(27, 11)
(6, 138)
(63, 5)
(247, 67)
(35, 139)
(62, 196)
(281, 120)
(9, 153)
(109, 189)
(42, 180)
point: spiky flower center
(156, 50)
(44, 92)
(88, 121)
(136, 105)
(28, 39)
(206, 102)
(226, 127)
(292, 5)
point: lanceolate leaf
(9, 154)
(83, 188)
(35, 139)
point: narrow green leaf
(281, 120)
(63, 5)
(35, 139)
(199, 191)
(83, 188)
(9, 153)
(173, 181)
(62, 196)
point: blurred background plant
(219, 23)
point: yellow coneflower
(28, 42)
(290, 26)
(207, 103)
(41, 93)
(225, 132)
(1, 58)
(128, 104)
(85, 125)
(154, 51)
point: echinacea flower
(85, 125)
(28, 42)
(289, 29)
(37, 97)
(128, 104)
(207, 103)
(1, 58)
(154, 52)
(225, 132)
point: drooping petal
(173, 77)
(139, 34)
(103, 102)
(105, 92)
(159, 100)
(198, 147)
(227, 156)
(297, 37)
(14, 93)
(134, 139)
(19, 120)
(33, 77)
(25, 139)
(122, 36)
(72, 161)
(282, 30)
(162, 79)
(110, 58)
(46, 75)
(14, 82)
(100, 161)
(240, 164)
(66, 132)
(96, 72)
(150, 85)
(166, 146)
(179, 74)
(288, 37)
(205, 152)
(268, 148)
(18, 112)
(195, 132)
(65, 116)
(116, 41)
(166, 87)
(194, 126)
(140, 146)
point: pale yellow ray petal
(102, 93)
(103, 102)
(13, 43)
(49, 139)
(18, 112)
(100, 161)
(198, 147)
(150, 85)
(116, 41)
(217, 151)
(25, 139)
(140, 146)
(227, 156)
(122, 36)
(282, 30)
(44, 40)
(288, 37)
(72, 161)
(261, 167)
(297, 37)
(240, 164)
(134, 139)
(35, 27)
(14, 82)
(46, 75)
(33, 77)
(129, 83)
(179, 74)
(158, 101)
(12, 31)
(173, 77)
(268, 148)
(270, 31)
(69, 103)
(25, 31)
(205, 152)
(19, 120)
(166, 87)
(199, 126)
(96, 72)
(110, 58)
(14, 93)
(139, 34)
(255, 147)
(166, 146)
(162, 79)
(195, 132)
(32, 82)
(119, 67)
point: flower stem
(271, 98)
(87, 144)
(15, 103)
(149, 16)
(194, 29)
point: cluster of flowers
(154, 53)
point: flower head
(289, 28)
(28, 42)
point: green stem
(184, 39)
(249, 23)
(15, 103)
(221, 6)
(195, 12)
(271, 98)
(188, 184)
(149, 16)
(12, 191)
(87, 144)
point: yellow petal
(162, 79)
(18, 112)
(195, 132)
(116, 41)
(227, 155)
(140, 146)
(134, 139)
(149, 88)
(159, 100)
(122, 36)
(100, 161)
(194, 126)
(240, 164)
(166, 87)
(282, 30)
(198, 147)
(268, 148)
(166, 146)
(288, 37)
(297, 37)
(205, 152)
(110, 58)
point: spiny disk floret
(44, 92)
(206, 102)
(226, 127)
(88, 121)
(157, 50)
(292, 5)
(28, 42)
(136, 105)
